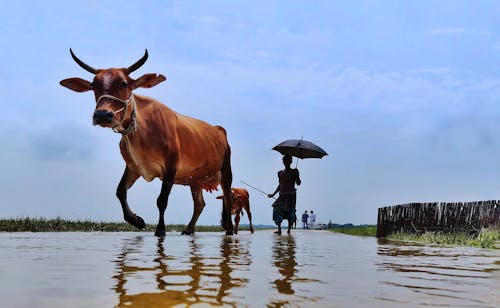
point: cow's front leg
(128, 179)
(236, 222)
(162, 202)
(199, 204)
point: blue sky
(404, 95)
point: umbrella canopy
(300, 149)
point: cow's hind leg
(224, 215)
(226, 182)
(162, 201)
(199, 204)
(128, 179)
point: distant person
(305, 217)
(330, 224)
(284, 206)
(312, 220)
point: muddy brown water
(306, 269)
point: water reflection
(234, 255)
(284, 260)
(440, 275)
(306, 269)
(192, 274)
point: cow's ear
(148, 81)
(76, 84)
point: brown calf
(158, 142)
(241, 201)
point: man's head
(287, 160)
(305, 212)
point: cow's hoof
(229, 232)
(136, 221)
(160, 233)
(185, 232)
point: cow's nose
(103, 117)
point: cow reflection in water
(284, 260)
(188, 278)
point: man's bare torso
(288, 178)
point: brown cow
(157, 142)
(240, 201)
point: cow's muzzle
(103, 117)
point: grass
(62, 225)
(362, 230)
(486, 238)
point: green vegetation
(361, 230)
(486, 238)
(61, 225)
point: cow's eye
(96, 86)
(123, 84)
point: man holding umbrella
(284, 206)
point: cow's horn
(85, 66)
(139, 63)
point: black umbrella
(300, 148)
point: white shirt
(312, 217)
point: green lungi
(284, 207)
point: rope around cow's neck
(133, 117)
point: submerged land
(486, 238)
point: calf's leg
(247, 209)
(236, 222)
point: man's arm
(274, 193)
(297, 180)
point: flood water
(306, 269)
